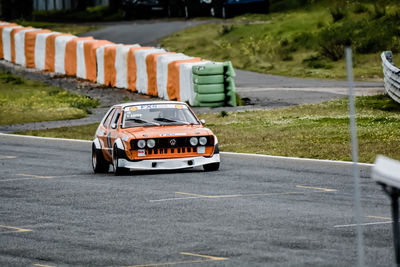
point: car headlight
(141, 143)
(151, 143)
(194, 141)
(203, 140)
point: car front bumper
(168, 164)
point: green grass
(84, 132)
(291, 43)
(71, 28)
(318, 131)
(23, 100)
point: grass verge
(71, 28)
(23, 100)
(307, 42)
(319, 131)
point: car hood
(165, 131)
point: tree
(16, 9)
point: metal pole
(395, 214)
(354, 152)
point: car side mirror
(114, 125)
(203, 121)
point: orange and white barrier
(141, 71)
(174, 75)
(121, 65)
(147, 70)
(60, 49)
(50, 63)
(30, 47)
(40, 49)
(151, 66)
(6, 36)
(87, 63)
(2, 26)
(71, 57)
(13, 41)
(19, 40)
(162, 72)
(132, 67)
(102, 62)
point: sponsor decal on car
(172, 134)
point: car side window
(109, 116)
(115, 119)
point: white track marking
(363, 224)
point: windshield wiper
(169, 120)
(141, 121)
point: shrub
(223, 113)
(226, 29)
(366, 36)
(316, 62)
(379, 9)
(334, 39)
(337, 13)
(360, 8)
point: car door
(102, 132)
(112, 132)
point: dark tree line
(18, 9)
(15, 9)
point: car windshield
(157, 114)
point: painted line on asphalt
(205, 258)
(43, 265)
(169, 263)
(223, 153)
(35, 176)
(380, 217)
(199, 196)
(7, 157)
(363, 224)
(17, 179)
(316, 188)
(46, 138)
(14, 229)
(387, 221)
(295, 158)
(174, 198)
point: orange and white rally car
(160, 135)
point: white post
(354, 152)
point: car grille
(178, 150)
(180, 144)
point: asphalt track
(255, 211)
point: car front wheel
(115, 156)
(99, 164)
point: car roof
(123, 105)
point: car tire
(116, 154)
(211, 167)
(99, 164)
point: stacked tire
(214, 85)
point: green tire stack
(214, 85)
